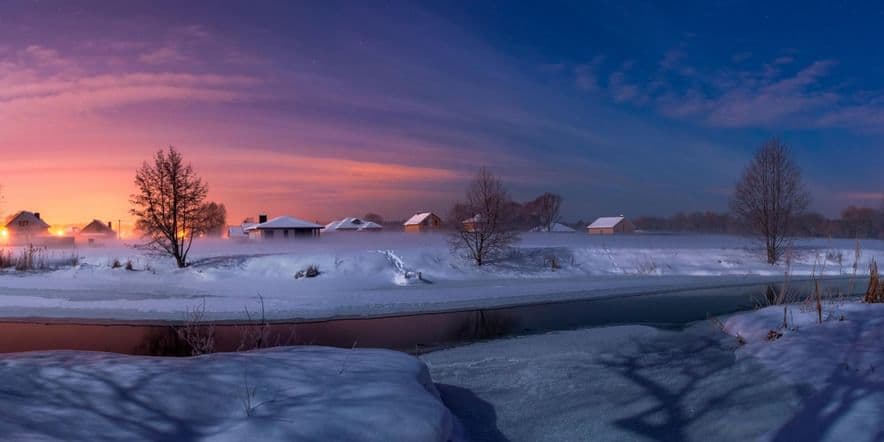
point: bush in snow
(310, 272)
(129, 265)
(116, 264)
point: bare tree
(213, 220)
(769, 197)
(484, 221)
(545, 208)
(169, 207)
(374, 217)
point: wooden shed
(423, 222)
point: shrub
(129, 265)
(310, 272)
(116, 264)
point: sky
(329, 109)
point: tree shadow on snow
(477, 416)
(844, 390)
(688, 383)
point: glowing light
(58, 232)
(4, 233)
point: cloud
(164, 55)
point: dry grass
(198, 334)
(875, 292)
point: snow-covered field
(383, 273)
(300, 393)
(815, 382)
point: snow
(840, 361)
(417, 218)
(629, 383)
(296, 393)
(285, 222)
(606, 222)
(376, 274)
(554, 228)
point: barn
(282, 228)
(610, 225)
(423, 222)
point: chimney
(110, 225)
(37, 215)
(262, 218)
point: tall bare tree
(545, 208)
(168, 207)
(770, 195)
(483, 223)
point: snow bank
(392, 272)
(841, 361)
(299, 393)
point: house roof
(29, 216)
(473, 219)
(418, 218)
(555, 227)
(97, 227)
(248, 226)
(352, 224)
(286, 222)
(606, 222)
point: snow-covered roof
(286, 222)
(352, 224)
(473, 219)
(606, 222)
(418, 218)
(248, 226)
(24, 215)
(555, 227)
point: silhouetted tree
(213, 220)
(490, 213)
(770, 195)
(374, 217)
(169, 207)
(545, 210)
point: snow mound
(841, 360)
(297, 393)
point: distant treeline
(854, 222)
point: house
(281, 228)
(97, 232)
(610, 225)
(423, 222)
(554, 228)
(352, 225)
(25, 226)
(471, 224)
(237, 232)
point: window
(285, 233)
(268, 234)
